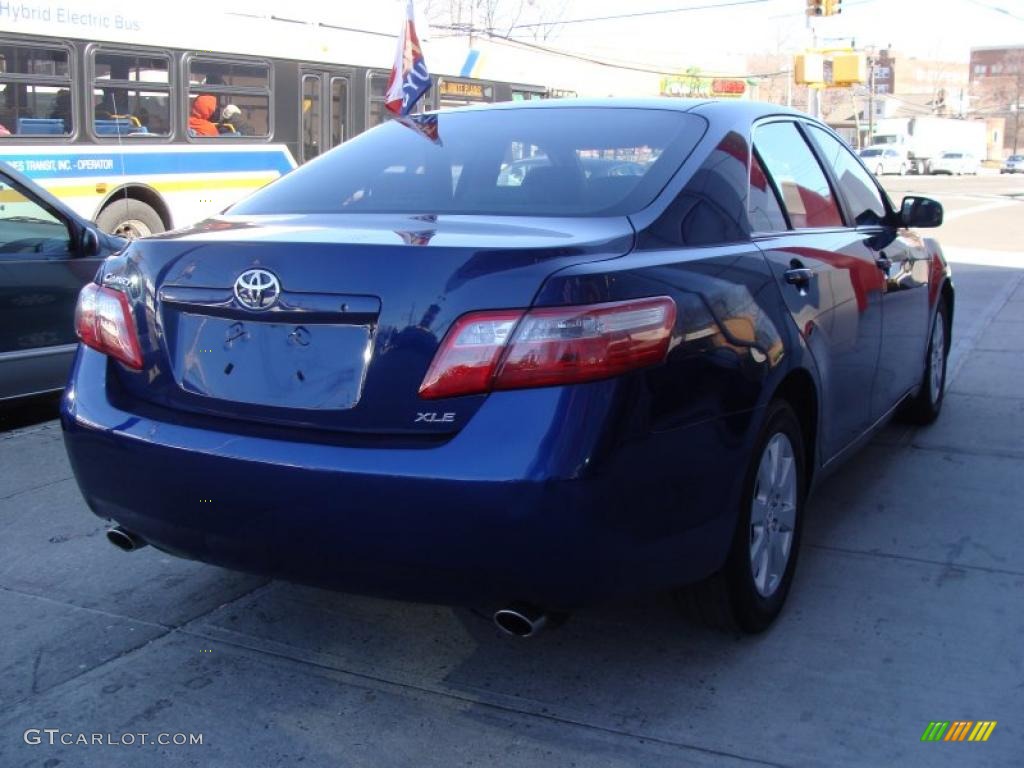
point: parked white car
(1013, 164)
(883, 160)
(956, 163)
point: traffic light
(824, 7)
(809, 68)
(849, 68)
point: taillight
(485, 351)
(104, 321)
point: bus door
(324, 104)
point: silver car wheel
(773, 514)
(938, 357)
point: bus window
(376, 113)
(377, 84)
(131, 94)
(35, 91)
(242, 84)
(310, 116)
(339, 109)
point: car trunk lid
(361, 305)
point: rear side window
(856, 184)
(28, 231)
(805, 190)
(765, 212)
(564, 161)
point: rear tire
(130, 219)
(926, 406)
(749, 591)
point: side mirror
(90, 244)
(920, 212)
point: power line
(995, 9)
(709, 6)
(633, 67)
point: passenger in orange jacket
(202, 110)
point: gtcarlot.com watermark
(55, 737)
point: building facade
(997, 88)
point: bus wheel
(130, 219)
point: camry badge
(257, 289)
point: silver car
(956, 163)
(883, 160)
(1013, 164)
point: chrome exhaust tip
(124, 540)
(520, 620)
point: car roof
(733, 108)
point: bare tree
(536, 19)
(1001, 93)
(1013, 90)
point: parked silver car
(956, 164)
(1013, 164)
(882, 160)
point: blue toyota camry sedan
(465, 358)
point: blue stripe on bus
(471, 59)
(55, 166)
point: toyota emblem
(257, 289)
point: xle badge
(432, 417)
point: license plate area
(312, 366)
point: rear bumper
(545, 506)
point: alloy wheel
(773, 514)
(938, 360)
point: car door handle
(883, 262)
(799, 276)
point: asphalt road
(908, 607)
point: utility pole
(871, 99)
(1016, 123)
(813, 95)
(1018, 82)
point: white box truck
(925, 138)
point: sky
(921, 28)
(715, 38)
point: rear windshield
(870, 152)
(951, 155)
(1016, 158)
(552, 161)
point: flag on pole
(424, 125)
(409, 77)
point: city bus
(145, 119)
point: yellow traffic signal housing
(808, 68)
(849, 68)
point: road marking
(979, 209)
(985, 258)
